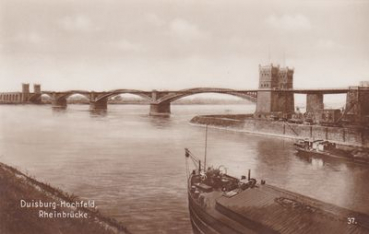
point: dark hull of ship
(215, 222)
(327, 155)
(204, 223)
(198, 220)
(271, 210)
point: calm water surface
(133, 164)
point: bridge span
(159, 101)
(280, 100)
(274, 97)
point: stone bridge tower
(271, 98)
(357, 104)
(25, 93)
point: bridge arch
(59, 99)
(116, 92)
(35, 98)
(47, 94)
(69, 93)
(162, 104)
(250, 96)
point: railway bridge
(160, 101)
(274, 95)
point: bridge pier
(357, 105)
(99, 105)
(160, 109)
(267, 103)
(314, 102)
(286, 103)
(314, 105)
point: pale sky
(178, 44)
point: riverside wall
(351, 136)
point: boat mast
(206, 146)
(199, 167)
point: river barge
(329, 150)
(222, 204)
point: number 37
(351, 220)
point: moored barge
(327, 149)
(222, 204)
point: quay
(353, 136)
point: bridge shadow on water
(98, 113)
(93, 113)
(59, 110)
(160, 121)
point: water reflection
(98, 113)
(58, 110)
(309, 159)
(317, 163)
(324, 161)
(160, 121)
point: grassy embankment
(14, 219)
(226, 121)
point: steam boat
(222, 204)
(324, 148)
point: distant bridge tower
(286, 101)
(25, 92)
(272, 80)
(36, 97)
(37, 88)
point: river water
(133, 164)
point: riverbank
(29, 206)
(344, 136)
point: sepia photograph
(184, 116)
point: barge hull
(267, 209)
(329, 156)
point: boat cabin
(318, 145)
(323, 145)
